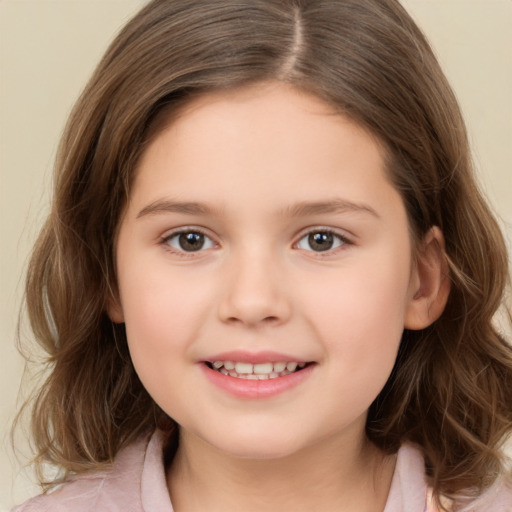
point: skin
(252, 159)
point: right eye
(189, 241)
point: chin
(255, 445)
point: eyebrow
(301, 209)
(306, 208)
(167, 206)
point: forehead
(265, 140)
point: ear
(430, 282)
(114, 307)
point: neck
(330, 476)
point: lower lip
(256, 389)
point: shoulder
(80, 495)
(83, 494)
(114, 490)
(497, 499)
(410, 491)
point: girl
(268, 278)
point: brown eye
(321, 241)
(189, 241)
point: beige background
(48, 48)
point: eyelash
(342, 241)
(187, 230)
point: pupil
(191, 241)
(321, 241)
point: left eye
(189, 241)
(321, 241)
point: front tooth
(291, 367)
(263, 368)
(229, 365)
(279, 367)
(243, 368)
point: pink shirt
(137, 483)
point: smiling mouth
(258, 371)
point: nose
(253, 294)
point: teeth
(263, 368)
(243, 368)
(258, 371)
(279, 367)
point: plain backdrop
(48, 48)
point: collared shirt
(137, 483)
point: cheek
(359, 315)
(163, 314)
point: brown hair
(450, 389)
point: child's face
(262, 229)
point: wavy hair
(450, 389)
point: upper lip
(244, 356)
